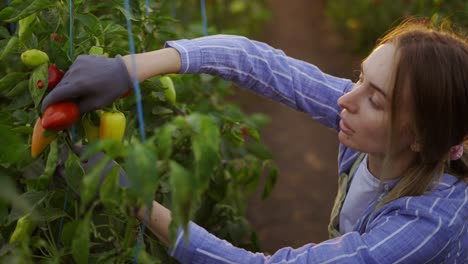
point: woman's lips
(343, 127)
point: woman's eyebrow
(373, 86)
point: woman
(403, 193)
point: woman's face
(365, 122)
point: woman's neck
(399, 163)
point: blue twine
(203, 13)
(139, 111)
(147, 6)
(142, 232)
(70, 38)
(65, 201)
(173, 9)
(12, 25)
(136, 85)
(70, 29)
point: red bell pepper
(55, 75)
(60, 116)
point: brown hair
(433, 64)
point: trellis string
(11, 25)
(70, 40)
(204, 19)
(147, 5)
(136, 87)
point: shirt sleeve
(264, 70)
(395, 238)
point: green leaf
(110, 193)
(205, 146)
(271, 179)
(9, 194)
(12, 43)
(33, 170)
(21, 9)
(90, 21)
(52, 161)
(91, 180)
(12, 151)
(68, 233)
(259, 150)
(31, 198)
(6, 12)
(126, 14)
(81, 242)
(11, 80)
(260, 120)
(164, 141)
(112, 148)
(73, 171)
(4, 33)
(182, 182)
(18, 89)
(115, 29)
(48, 214)
(24, 31)
(142, 172)
(20, 102)
(39, 74)
(3, 212)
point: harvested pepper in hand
(40, 140)
(112, 125)
(23, 230)
(60, 116)
(54, 75)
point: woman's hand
(92, 82)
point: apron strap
(344, 181)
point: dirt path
(297, 212)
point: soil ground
(298, 210)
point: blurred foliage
(364, 21)
(239, 17)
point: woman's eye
(373, 103)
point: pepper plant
(196, 153)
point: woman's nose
(348, 101)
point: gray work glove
(92, 82)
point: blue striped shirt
(431, 228)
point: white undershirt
(361, 192)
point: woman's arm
(158, 221)
(402, 236)
(94, 82)
(153, 63)
(267, 71)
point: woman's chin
(344, 139)
(347, 140)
